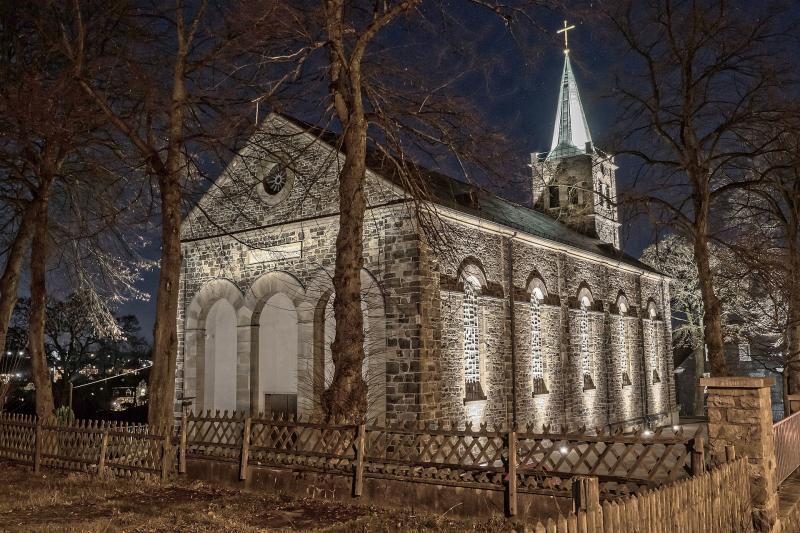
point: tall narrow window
(537, 363)
(555, 199)
(623, 353)
(586, 361)
(744, 352)
(572, 194)
(472, 362)
(624, 356)
(654, 341)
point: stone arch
(536, 285)
(471, 269)
(274, 341)
(651, 310)
(374, 367)
(196, 354)
(584, 296)
(622, 304)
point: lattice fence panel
(302, 442)
(215, 435)
(623, 463)
(134, 454)
(74, 446)
(17, 437)
(462, 457)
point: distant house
(743, 360)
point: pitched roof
(472, 200)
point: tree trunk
(39, 368)
(161, 406)
(161, 411)
(793, 317)
(712, 310)
(699, 369)
(11, 274)
(347, 394)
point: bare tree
(733, 285)
(767, 216)
(700, 82)
(168, 79)
(390, 103)
(44, 125)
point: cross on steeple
(565, 31)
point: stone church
(531, 315)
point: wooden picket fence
(716, 501)
(93, 446)
(446, 454)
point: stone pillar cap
(736, 382)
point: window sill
(539, 387)
(473, 400)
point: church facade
(526, 315)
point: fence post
(245, 449)
(37, 446)
(740, 414)
(358, 474)
(585, 494)
(165, 458)
(101, 463)
(183, 442)
(698, 456)
(511, 474)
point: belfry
(575, 182)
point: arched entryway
(276, 343)
(212, 362)
(374, 366)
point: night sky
(521, 101)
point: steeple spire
(571, 133)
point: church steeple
(575, 182)
(570, 133)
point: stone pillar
(794, 404)
(740, 414)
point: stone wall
(563, 275)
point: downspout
(511, 315)
(608, 342)
(564, 345)
(645, 388)
(669, 356)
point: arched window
(555, 199)
(652, 314)
(472, 358)
(585, 301)
(624, 352)
(538, 292)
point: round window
(275, 180)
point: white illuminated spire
(571, 133)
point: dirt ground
(58, 501)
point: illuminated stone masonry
(261, 244)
